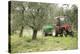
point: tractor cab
(63, 24)
(60, 20)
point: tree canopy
(35, 15)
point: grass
(26, 44)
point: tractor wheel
(56, 35)
(50, 34)
(71, 34)
(65, 33)
(45, 34)
(61, 35)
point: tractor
(48, 30)
(63, 26)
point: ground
(50, 43)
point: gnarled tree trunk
(21, 31)
(34, 34)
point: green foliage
(36, 14)
(31, 14)
(73, 15)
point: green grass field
(25, 44)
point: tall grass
(26, 44)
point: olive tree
(37, 16)
(31, 14)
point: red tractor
(63, 26)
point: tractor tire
(71, 34)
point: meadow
(42, 43)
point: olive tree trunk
(21, 31)
(34, 34)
